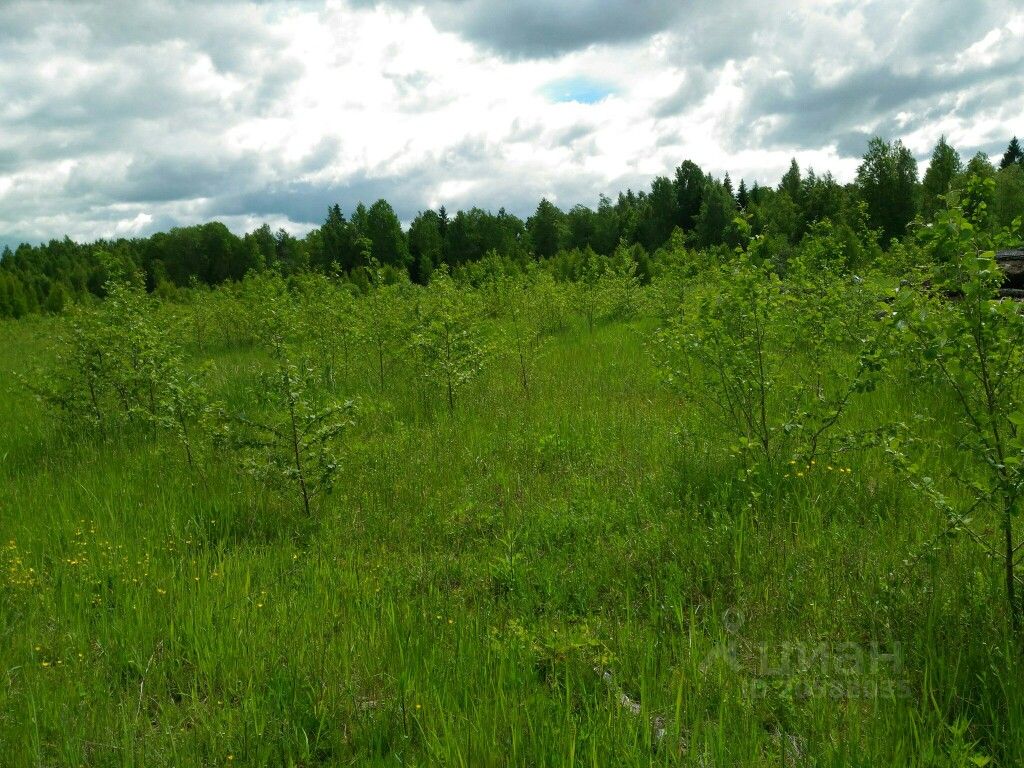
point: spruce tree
(791, 181)
(943, 169)
(1013, 154)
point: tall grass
(577, 576)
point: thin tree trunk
(1011, 589)
(295, 445)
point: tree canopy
(689, 203)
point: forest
(705, 477)
(885, 197)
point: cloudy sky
(123, 117)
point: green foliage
(973, 343)
(588, 298)
(584, 570)
(41, 278)
(1014, 155)
(978, 201)
(426, 245)
(525, 333)
(56, 299)
(733, 570)
(658, 214)
(775, 214)
(383, 322)
(380, 225)
(295, 437)
(1009, 195)
(338, 246)
(13, 297)
(717, 210)
(619, 285)
(887, 182)
(838, 249)
(757, 357)
(330, 325)
(185, 409)
(447, 343)
(979, 166)
(114, 362)
(546, 229)
(792, 182)
(77, 386)
(690, 185)
(118, 366)
(938, 180)
(742, 198)
(553, 300)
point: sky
(124, 117)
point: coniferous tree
(426, 245)
(742, 198)
(790, 183)
(545, 228)
(938, 179)
(296, 442)
(338, 243)
(292, 256)
(1013, 155)
(755, 193)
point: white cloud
(128, 227)
(123, 117)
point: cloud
(120, 117)
(696, 83)
(806, 110)
(529, 28)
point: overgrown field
(735, 516)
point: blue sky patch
(582, 90)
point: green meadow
(534, 542)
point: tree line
(691, 205)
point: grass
(574, 578)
